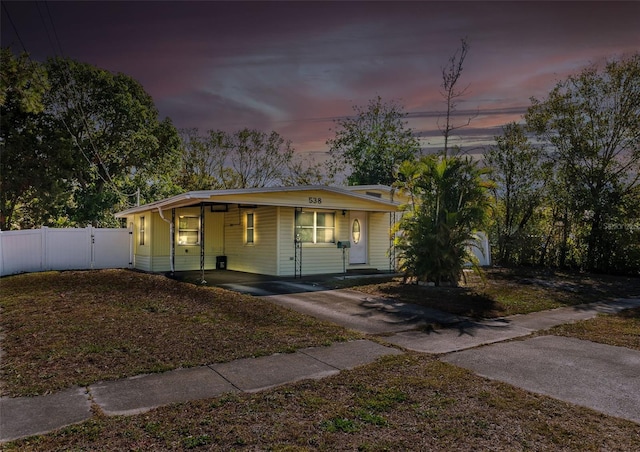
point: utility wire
(37, 73)
(70, 86)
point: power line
(70, 86)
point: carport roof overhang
(346, 199)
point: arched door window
(355, 231)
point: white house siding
(143, 263)
(316, 258)
(214, 234)
(286, 244)
(379, 240)
(259, 257)
(187, 257)
(159, 243)
(273, 251)
(319, 259)
(142, 253)
(155, 254)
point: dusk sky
(294, 67)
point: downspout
(131, 244)
(171, 233)
(202, 280)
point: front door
(358, 237)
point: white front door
(358, 237)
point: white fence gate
(35, 250)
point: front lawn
(74, 328)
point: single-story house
(280, 231)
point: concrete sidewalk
(26, 416)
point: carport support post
(202, 281)
(344, 263)
(172, 240)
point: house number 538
(314, 200)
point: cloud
(294, 66)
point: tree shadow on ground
(633, 313)
(597, 286)
(502, 291)
(460, 301)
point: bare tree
(257, 159)
(450, 92)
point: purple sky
(294, 67)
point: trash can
(221, 262)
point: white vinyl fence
(35, 250)
(482, 249)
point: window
(250, 228)
(355, 231)
(188, 230)
(141, 231)
(315, 227)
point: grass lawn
(74, 328)
(622, 329)
(506, 292)
(78, 327)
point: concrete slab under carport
(602, 377)
(257, 284)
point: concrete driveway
(597, 376)
(351, 309)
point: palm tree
(449, 202)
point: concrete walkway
(25, 416)
(553, 367)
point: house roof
(276, 196)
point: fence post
(1, 256)
(44, 256)
(89, 256)
(92, 241)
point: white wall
(481, 249)
(45, 249)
